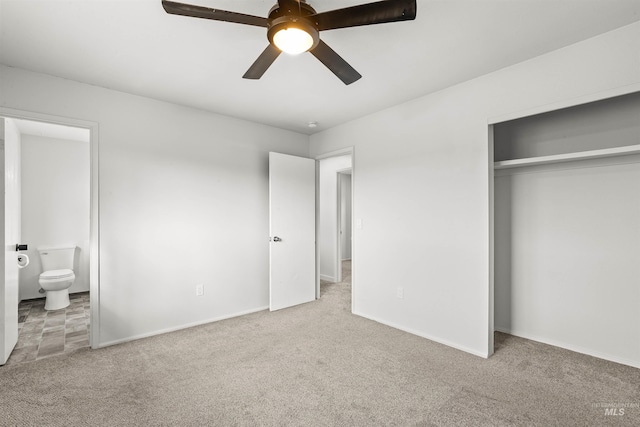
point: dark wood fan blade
(215, 14)
(335, 63)
(285, 3)
(263, 62)
(366, 14)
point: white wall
(423, 186)
(328, 220)
(567, 245)
(345, 216)
(183, 201)
(55, 206)
(608, 123)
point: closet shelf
(568, 157)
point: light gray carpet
(315, 365)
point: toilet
(57, 276)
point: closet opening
(566, 228)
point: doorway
(335, 219)
(57, 208)
(344, 225)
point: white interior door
(9, 235)
(292, 227)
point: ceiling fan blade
(335, 63)
(215, 14)
(284, 3)
(263, 62)
(367, 14)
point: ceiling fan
(293, 26)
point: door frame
(94, 221)
(336, 153)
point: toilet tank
(57, 258)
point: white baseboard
(177, 328)
(577, 349)
(328, 278)
(457, 346)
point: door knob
(277, 239)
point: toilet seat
(56, 274)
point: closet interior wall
(567, 232)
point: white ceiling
(134, 46)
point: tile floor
(43, 333)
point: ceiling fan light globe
(293, 40)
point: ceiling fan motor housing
(292, 14)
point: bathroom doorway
(57, 209)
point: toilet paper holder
(23, 260)
(20, 247)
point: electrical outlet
(400, 292)
(199, 290)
